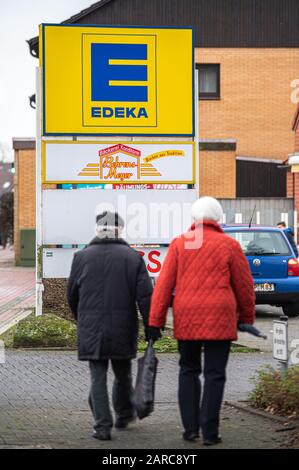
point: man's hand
(152, 333)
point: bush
(52, 331)
(167, 344)
(46, 331)
(276, 393)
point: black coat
(107, 278)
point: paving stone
(36, 411)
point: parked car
(274, 266)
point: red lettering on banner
(152, 261)
(156, 262)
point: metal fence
(266, 211)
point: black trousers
(195, 413)
(122, 392)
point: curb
(239, 345)
(42, 349)
(262, 414)
(19, 315)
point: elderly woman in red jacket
(213, 292)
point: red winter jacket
(213, 286)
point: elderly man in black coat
(107, 279)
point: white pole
(39, 241)
(258, 217)
(285, 217)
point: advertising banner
(118, 163)
(151, 216)
(57, 261)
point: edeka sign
(117, 81)
(122, 78)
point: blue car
(273, 263)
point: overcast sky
(19, 20)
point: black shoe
(190, 436)
(102, 435)
(212, 442)
(122, 423)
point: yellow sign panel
(117, 81)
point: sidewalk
(43, 402)
(17, 290)
(43, 394)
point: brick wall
(255, 106)
(297, 139)
(24, 189)
(217, 174)
(296, 197)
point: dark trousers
(122, 392)
(195, 413)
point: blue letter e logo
(102, 72)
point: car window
(257, 242)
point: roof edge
(23, 143)
(259, 159)
(33, 42)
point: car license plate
(266, 287)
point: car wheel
(291, 310)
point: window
(257, 242)
(209, 81)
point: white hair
(207, 208)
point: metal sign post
(196, 135)
(39, 213)
(280, 342)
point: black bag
(145, 382)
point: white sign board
(113, 162)
(280, 341)
(151, 216)
(57, 261)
